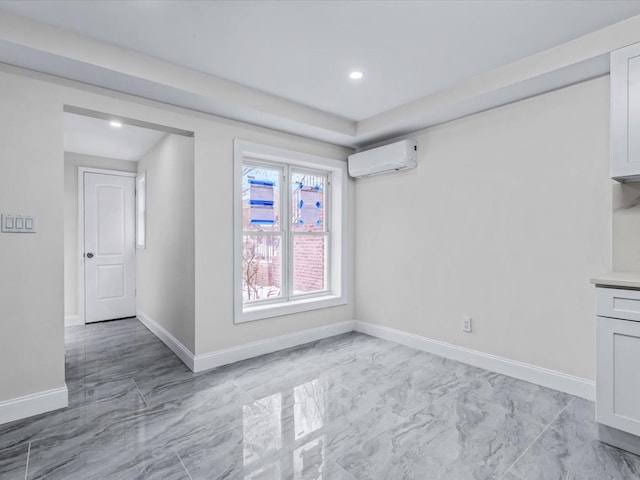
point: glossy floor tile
(569, 450)
(350, 407)
(13, 461)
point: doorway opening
(104, 256)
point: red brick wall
(308, 264)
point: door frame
(81, 290)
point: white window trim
(338, 268)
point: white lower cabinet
(618, 377)
(618, 368)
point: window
(141, 210)
(289, 235)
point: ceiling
(96, 136)
(285, 64)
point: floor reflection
(283, 435)
(308, 408)
(262, 428)
(269, 472)
(308, 460)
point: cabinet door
(625, 113)
(618, 374)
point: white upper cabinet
(625, 113)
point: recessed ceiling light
(356, 75)
(115, 124)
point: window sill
(259, 312)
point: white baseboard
(33, 404)
(254, 349)
(72, 320)
(563, 382)
(207, 361)
(577, 386)
(169, 340)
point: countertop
(618, 279)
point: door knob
(89, 255)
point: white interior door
(109, 247)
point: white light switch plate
(17, 223)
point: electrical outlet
(466, 323)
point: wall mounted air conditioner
(396, 156)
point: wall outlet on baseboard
(466, 323)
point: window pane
(261, 267)
(260, 198)
(308, 263)
(308, 202)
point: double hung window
(289, 214)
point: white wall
(165, 270)
(71, 254)
(506, 218)
(31, 271)
(31, 181)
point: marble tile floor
(350, 407)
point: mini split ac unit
(389, 158)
